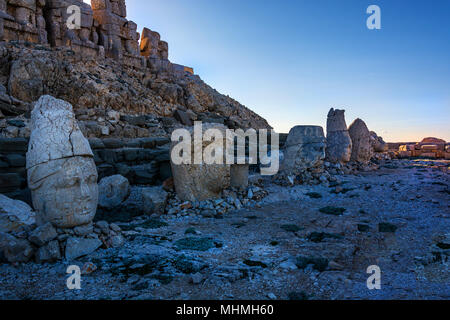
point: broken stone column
(304, 153)
(117, 34)
(198, 182)
(41, 26)
(163, 50)
(62, 175)
(150, 43)
(361, 147)
(339, 143)
(24, 12)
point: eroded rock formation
(198, 182)
(361, 147)
(304, 153)
(339, 143)
(43, 56)
(377, 143)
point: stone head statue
(62, 175)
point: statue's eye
(92, 179)
(72, 182)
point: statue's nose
(84, 190)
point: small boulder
(49, 253)
(43, 234)
(183, 117)
(14, 214)
(113, 191)
(15, 250)
(79, 247)
(377, 143)
(155, 198)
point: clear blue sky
(292, 60)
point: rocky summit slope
(102, 89)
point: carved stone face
(65, 191)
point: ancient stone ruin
(339, 143)
(304, 154)
(62, 175)
(361, 147)
(433, 148)
(197, 182)
(104, 30)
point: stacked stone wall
(143, 161)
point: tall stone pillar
(339, 143)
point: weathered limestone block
(304, 150)
(113, 191)
(377, 143)
(100, 4)
(14, 214)
(49, 253)
(430, 147)
(201, 181)
(439, 143)
(147, 43)
(14, 250)
(43, 235)
(155, 199)
(24, 12)
(118, 7)
(41, 27)
(360, 134)
(150, 43)
(339, 143)
(163, 50)
(62, 175)
(79, 247)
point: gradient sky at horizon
(292, 60)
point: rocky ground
(302, 242)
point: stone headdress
(55, 133)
